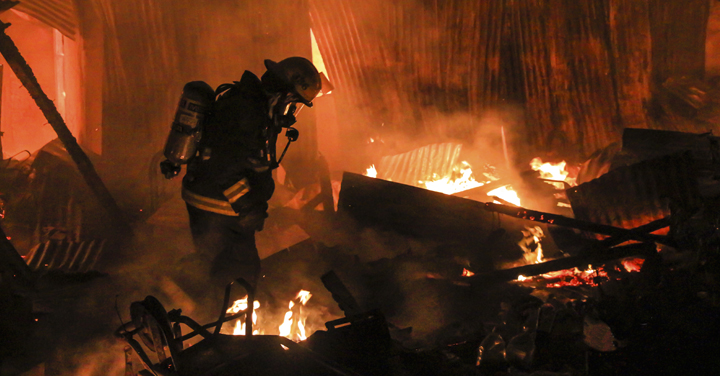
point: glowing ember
(575, 277)
(293, 326)
(467, 273)
(241, 305)
(506, 193)
(371, 172)
(461, 179)
(633, 265)
(523, 278)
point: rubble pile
(626, 282)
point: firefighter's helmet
(301, 74)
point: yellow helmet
(301, 74)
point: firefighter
(229, 180)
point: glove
(255, 218)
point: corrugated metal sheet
(630, 42)
(634, 195)
(59, 14)
(580, 68)
(65, 255)
(420, 164)
(420, 61)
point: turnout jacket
(231, 174)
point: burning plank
(559, 220)
(591, 258)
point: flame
(539, 251)
(553, 171)
(371, 172)
(460, 179)
(241, 305)
(523, 278)
(293, 326)
(467, 273)
(506, 193)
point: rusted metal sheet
(634, 195)
(58, 14)
(678, 38)
(419, 164)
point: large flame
(461, 179)
(371, 172)
(241, 305)
(553, 171)
(293, 326)
(294, 322)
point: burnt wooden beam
(341, 294)
(591, 258)
(644, 229)
(559, 220)
(25, 74)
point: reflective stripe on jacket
(207, 203)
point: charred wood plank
(559, 220)
(25, 74)
(581, 261)
(413, 211)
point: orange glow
(467, 273)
